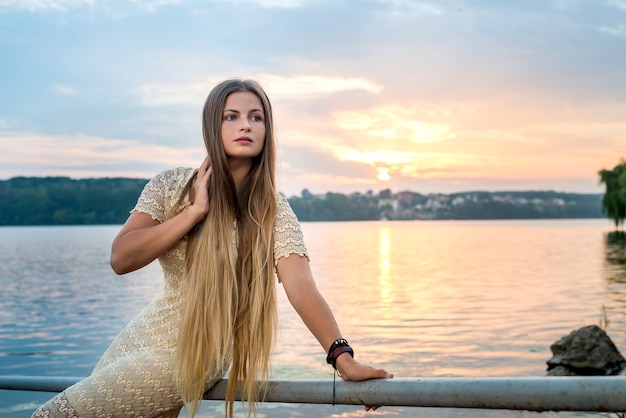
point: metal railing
(594, 393)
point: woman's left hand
(351, 370)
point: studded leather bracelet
(337, 348)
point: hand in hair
(199, 196)
(352, 370)
(142, 239)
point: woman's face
(243, 126)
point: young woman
(221, 234)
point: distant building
(405, 197)
(393, 203)
(458, 201)
(436, 202)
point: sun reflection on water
(384, 276)
(421, 299)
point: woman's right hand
(199, 191)
(142, 239)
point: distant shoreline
(107, 201)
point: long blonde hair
(230, 305)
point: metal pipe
(37, 383)
(593, 393)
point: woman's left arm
(295, 273)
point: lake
(419, 298)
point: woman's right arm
(142, 239)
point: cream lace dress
(135, 376)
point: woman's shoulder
(288, 237)
(282, 204)
(175, 175)
(280, 198)
(172, 178)
(170, 182)
(283, 208)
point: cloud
(411, 8)
(152, 5)
(392, 122)
(398, 6)
(299, 87)
(415, 88)
(620, 4)
(306, 86)
(75, 155)
(171, 94)
(68, 5)
(281, 4)
(316, 169)
(619, 30)
(40, 5)
(309, 160)
(65, 90)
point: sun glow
(394, 123)
(383, 174)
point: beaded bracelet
(338, 342)
(337, 348)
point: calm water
(421, 299)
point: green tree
(614, 200)
(63, 201)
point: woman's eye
(230, 117)
(257, 118)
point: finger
(207, 174)
(378, 374)
(204, 166)
(382, 374)
(203, 177)
(371, 373)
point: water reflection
(615, 256)
(418, 298)
(614, 272)
(384, 276)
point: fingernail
(389, 375)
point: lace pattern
(162, 192)
(288, 238)
(135, 376)
(57, 407)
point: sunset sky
(428, 96)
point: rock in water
(587, 351)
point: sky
(429, 96)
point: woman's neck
(239, 170)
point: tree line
(409, 205)
(614, 199)
(65, 201)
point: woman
(221, 234)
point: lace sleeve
(288, 238)
(161, 192)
